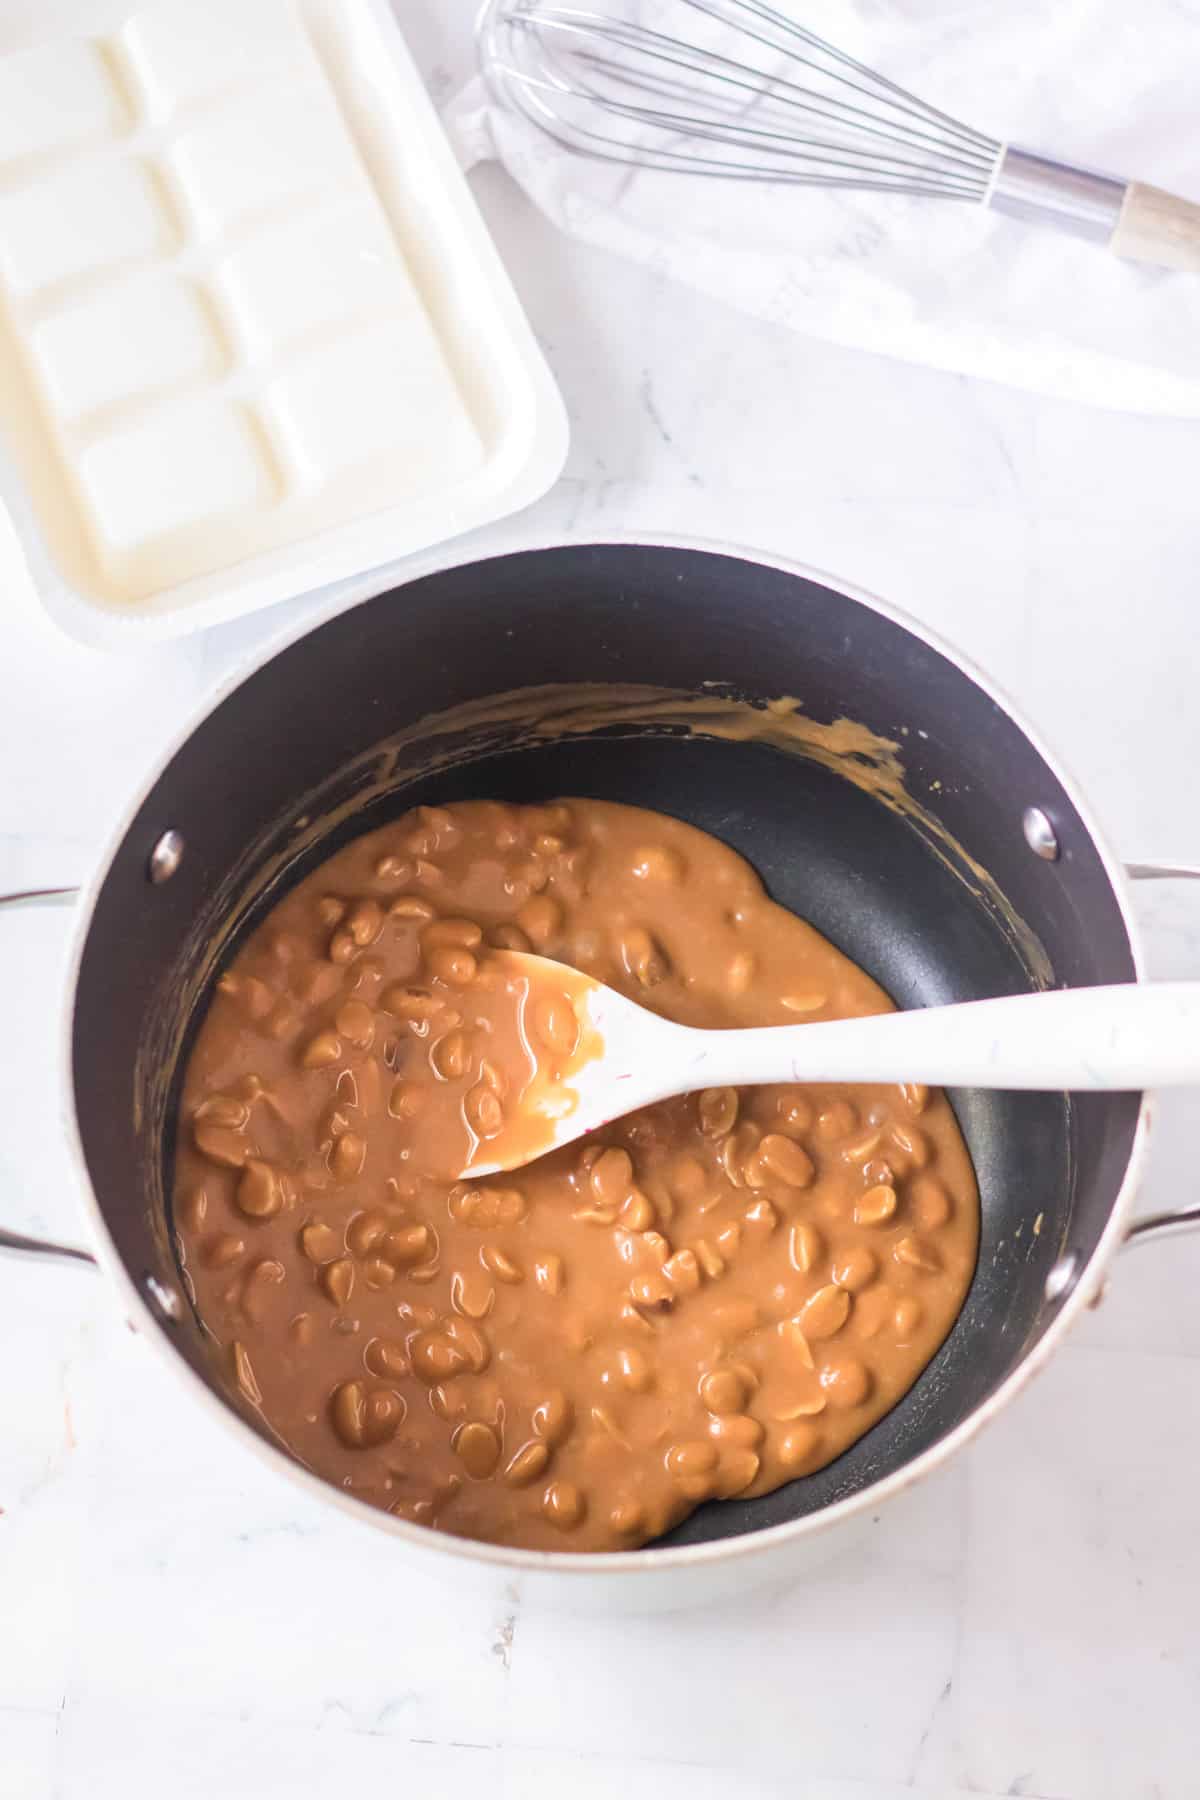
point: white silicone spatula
(1101, 1038)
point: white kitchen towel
(1110, 84)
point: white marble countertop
(175, 1621)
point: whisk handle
(1042, 191)
(1157, 227)
(1140, 223)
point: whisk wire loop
(615, 88)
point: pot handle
(1162, 871)
(1153, 1227)
(12, 1241)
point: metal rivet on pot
(165, 857)
(163, 1299)
(1040, 834)
(1062, 1277)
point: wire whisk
(741, 90)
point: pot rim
(650, 1562)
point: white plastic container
(254, 337)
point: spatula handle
(1103, 1038)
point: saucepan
(881, 787)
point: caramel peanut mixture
(702, 1300)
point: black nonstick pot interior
(289, 748)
